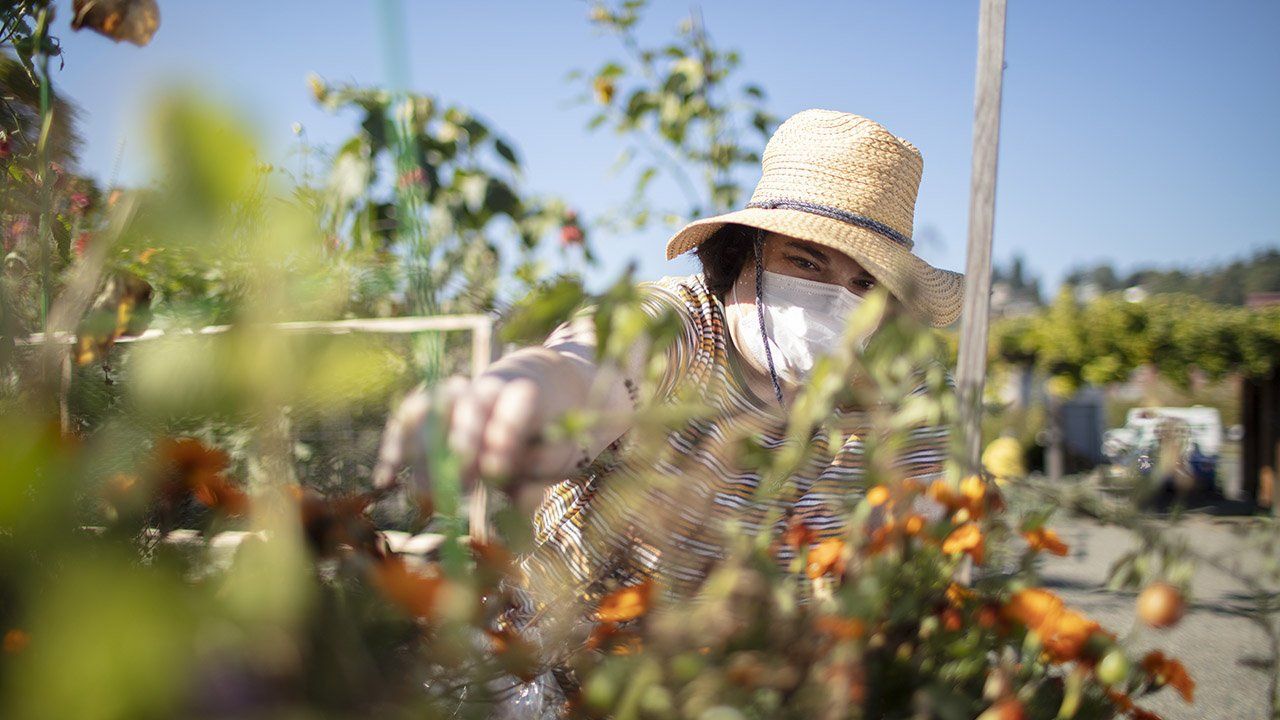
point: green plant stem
(42, 149)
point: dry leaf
(133, 20)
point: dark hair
(724, 254)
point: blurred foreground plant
(257, 595)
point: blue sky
(1141, 133)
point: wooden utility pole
(974, 323)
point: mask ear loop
(764, 334)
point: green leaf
(500, 198)
(506, 151)
(611, 70)
(534, 317)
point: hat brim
(932, 294)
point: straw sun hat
(845, 182)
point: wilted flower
(1167, 671)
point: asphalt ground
(1228, 654)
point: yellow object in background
(1003, 459)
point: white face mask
(804, 318)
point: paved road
(1226, 653)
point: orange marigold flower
(187, 465)
(1066, 633)
(943, 494)
(412, 592)
(1032, 607)
(914, 525)
(607, 636)
(974, 492)
(1043, 538)
(957, 594)
(826, 556)
(1167, 671)
(626, 604)
(965, 539)
(878, 495)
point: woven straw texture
(855, 166)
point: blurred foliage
(439, 182)
(678, 113)
(163, 554)
(21, 33)
(1229, 284)
(225, 587)
(1104, 340)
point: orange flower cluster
(967, 538)
(1064, 632)
(973, 500)
(186, 465)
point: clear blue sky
(1136, 132)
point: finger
(404, 443)
(555, 460)
(428, 440)
(466, 429)
(509, 427)
(392, 449)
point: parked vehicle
(1191, 437)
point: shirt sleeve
(661, 300)
(666, 298)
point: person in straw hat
(830, 221)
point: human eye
(802, 263)
(866, 283)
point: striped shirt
(666, 514)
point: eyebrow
(815, 254)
